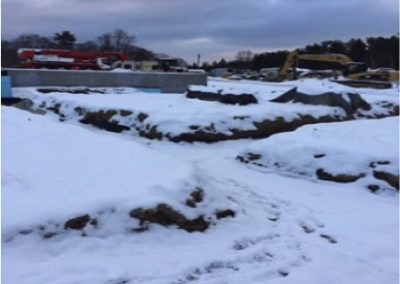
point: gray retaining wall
(168, 82)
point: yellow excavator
(355, 71)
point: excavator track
(365, 84)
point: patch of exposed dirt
(80, 91)
(103, 120)
(165, 215)
(242, 99)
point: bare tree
(244, 55)
(119, 40)
(87, 45)
(32, 41)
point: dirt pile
(350, 102)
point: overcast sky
(213, 28)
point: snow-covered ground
(174, 114)
(286, 229)
(350, 151)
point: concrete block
(168, 82)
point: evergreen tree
(357, 50)
(65, 39)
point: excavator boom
(295, 55)
(351, 70)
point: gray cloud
(213, 28)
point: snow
(54, 173)
(338, 148)
(288, 229)
(174, 113)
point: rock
(151, 133)
(307, 229)
(77, 223)
(242, 99)
(391, 179)
(283, 273)
(373, 187)
(330, 239)
(165, 215)
(9, 101)
(197, 196)
(225, 214)
(28, 105)
(343, 178)
(248, 157)
(125, 112)
(80, 111)
(374, 164)
(327, 99)
(142, 116)
(253, 157)
(286, 97)
(318, 156)
(49, 235)
(55, 108)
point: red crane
(72, 59)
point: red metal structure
(70, 59)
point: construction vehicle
(73, 59)
(349, 69)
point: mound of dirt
(351, 104)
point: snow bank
(365, 151)
(177, 118)
(54, 172)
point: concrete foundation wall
(167, 82)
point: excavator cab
(359, 71)
(354, 67)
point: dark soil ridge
(81, 91)
(107, 119)
(230, 99)
(162, 214)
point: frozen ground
(174, 114)
(286, 229)
(347, 151)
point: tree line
(118, 40)
(376, 52)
